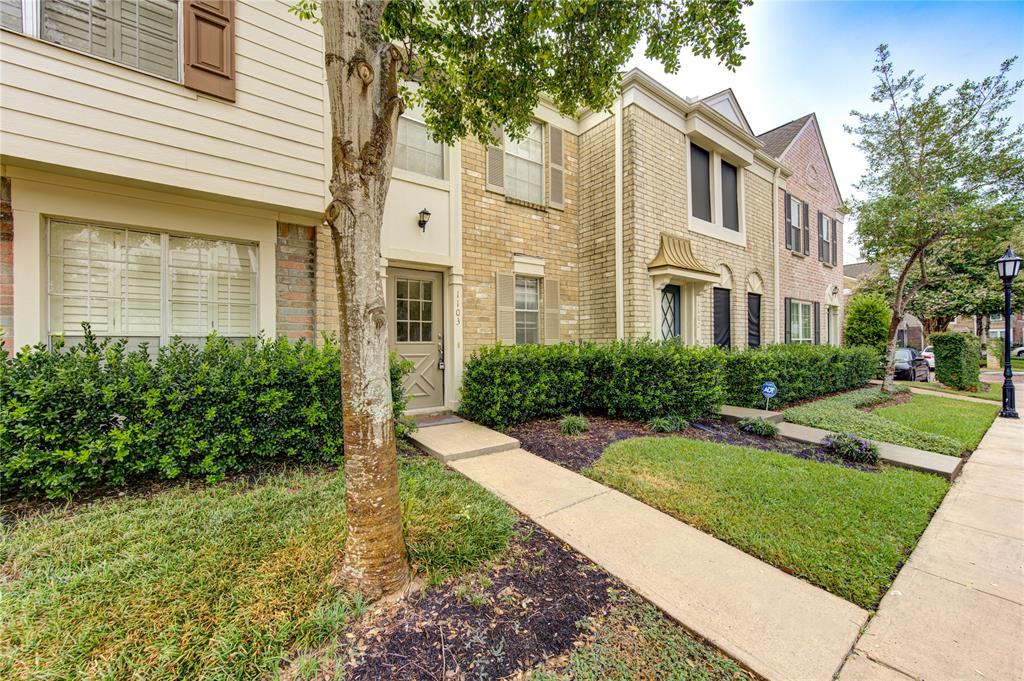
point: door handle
(440, 351)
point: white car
(929, 355)
(1018, 352)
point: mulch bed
(544, 439)
(506, 619)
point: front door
(416, 332)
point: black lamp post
(1008, 266)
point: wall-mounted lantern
(424, 219)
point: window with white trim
(416, 152)
(524, 166)
(141, 34)
(527, 310)
(800, 326)
(825, 239)
(148, 285)
(796, 219)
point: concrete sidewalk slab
(732, 414)
(862, 668)
(454, 441)
(776, 624)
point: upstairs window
(700, 182)
(794, 224)
(416, 152)
(524, 166)
(730, 198)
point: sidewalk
(956, 610)
(775, 624)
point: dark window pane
(753, 320)
(700, 182)
(414, 332)
(730, 204)
(722, 315)
(402, 332)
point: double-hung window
(141, 34)
(800, 326)
(825, 239)
(149, 286)
(415, 151)
(796, 216)
(527, 310)
(524, 166)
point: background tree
(867, 321)
(945, 170)
(478, 65)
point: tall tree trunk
(362, 78)
(888, 378)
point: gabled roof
(857, 270)
(777, 140)
(725, 103)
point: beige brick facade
(494, 229)
(597, 232)
(806, 277)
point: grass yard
(842, 414)
(212, 581)
(844, 530)
(985, 391)
(965, 422)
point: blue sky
(817, 56)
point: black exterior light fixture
(1008, 266)
(424, 219)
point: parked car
(929, 356)
(911, 365)
(1018, 352)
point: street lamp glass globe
(1008, 265)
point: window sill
(797, 254)
(420, 179)
(528, 204)
(715, 231)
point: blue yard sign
(769, 390)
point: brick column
(296, 306)
(6, 264)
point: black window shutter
(807, 229)
(753, 320)
(722, 313)
(786, 320)
(789, 221)
(817, 325)
(835, 246)
(700, 182)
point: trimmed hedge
(95, 414)
(638, 380)
(799, 371)
(957, 359)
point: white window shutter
(552, 310)
(506, 312)
(495, 161)
(556, 168)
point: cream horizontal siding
(68, 109)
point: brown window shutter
(789, 221)
(835, 240)
(807, 229)
(786, 323)
(552, 310)
(556, 168)
(209, 59)
(506, 313)
(495, 161)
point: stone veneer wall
(295, 286)
(655, 193)
(597, 232)
(6, 264)
(494, 229)
(800, 276)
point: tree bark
(362, 77)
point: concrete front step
(894, 455)
(461, 440)
(733, 414)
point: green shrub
(506, 385)
(867, 322)
(573, 424)
(758, 426)
(852, 448)
(799, 372)
(994, 348)
(672, 423)
(96, 414)
(957, 356)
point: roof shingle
(777, 140)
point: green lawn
(212, 581)
(844, 530)
(965, 422)
(985, 391)
(842, 414)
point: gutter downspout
(775, 252)
(620, 324)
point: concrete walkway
(775, 624)
(956, 610)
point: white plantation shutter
(506, 312)
(127, 283)
(556, 168)
(495, 163)
(552, 310)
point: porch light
(425, 218)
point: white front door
(416, 332)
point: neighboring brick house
(810, 220)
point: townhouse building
(164, 173)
